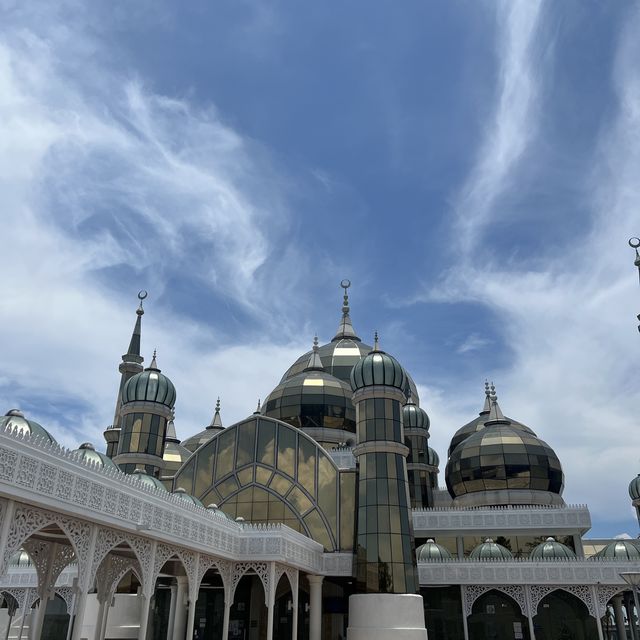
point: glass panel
(307, 465)
(280, 484)
(327, 490)
(246, 442)
(299, 500)
(318, 530)
(347, 509)
(204, 474)
(227, 487)
(185, 479)
(286, 450)
(226, 450)
(245, 476)
(266, 442)
(263, 475)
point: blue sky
(472, 167)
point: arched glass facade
(267, 471)
(142, 433)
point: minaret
(130, 365)
(416, 436)
(386, 571)
(634, 243)
(345, 328)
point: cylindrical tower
(148, 399)
(415, 422)
(385, 558)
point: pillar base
(386, 616)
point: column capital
(381, 446)
(378, 391)
(315, 580)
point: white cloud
(473, 342)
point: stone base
(386, 616)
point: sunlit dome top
(14, 419)
(194, 442)
(378, 369)
(620, 549)
(182, 494)
(433, 460)
(312, 398)
(148, 480)
(490, 550)
(551, 549)
(414, 417)
(150, 385)
(20, 559)
(87, 453)
(430, 550)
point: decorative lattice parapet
(337, 564)
(538, 520)
(343, 457)
(569, 572)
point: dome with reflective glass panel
(312, 398)
(339, 356)
(430, 551)
(490, 550)
(187, 497)
(147, 480)
(620, 550)
(87, 453)
(174, 454)
(551, 549)
(634, 488)
(433, 460)
(477, 424)
(150, 385)
(194, 442)
(14, 419)
(414, 417)
(503, 464)
(378, 369)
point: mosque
(319, 516)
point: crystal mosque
(323, 515)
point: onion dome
(174, 455)
(20, 559)
(413, 417)
(14, 419)
(86, 452)
(196, 441)
(150, 385)
(378, 368)
(187, 497)
(312, 398)
(216, 509)
(620, 550)
(433, 460)
(490, 550)
(432, 551)
(634, 488)
(551, 549)
(504, 457)
(339, 356)
(147, 480)
(478, 423)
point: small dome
(149, 481)
(20, 559)
(432, 551)
(216, 509)
(192, 443)
(150, 385)
(634, 488)
(86, 452)
(490, 550)
(378, 368)
(620, 550)
(413, 417)
(182, 494)
(433, 460)
(14, 419)
(551, 549)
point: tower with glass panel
(421, 470)
(148, 399)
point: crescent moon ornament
(634, 243)
(142, 295)
(345, 284)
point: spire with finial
(315, 363)
(216, 421)
(487, 399)
(257, 411)
(634, 243)
(376, 342)
(133, 352)
(495, 415)
(345, 328)
(154, 364)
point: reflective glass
(226, 450)
(246, 442)
(286, 450)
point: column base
(386, 616)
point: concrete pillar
(619, 617)
(105, 620)
(99, 621)
(38, 620)
(315, 601)
(83, 588)
(460, 546)
(191, 620)
(228, 602)
(465, 627)
(172, 612)
(577, 543)
(629, 607)
(145, 604)
(180, 618)
(530, 613)
(294, 617)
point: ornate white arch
(474, 591)
(581, 591)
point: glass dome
(432, 551)
(413, 417)
(378, 368)
(150, 385)
(634, 488)
(503, 456)
(15, 419)
(620, 550)
(490, 550)
(149, 481)
(433, 460)
(183, 495)
(551, 549)
(87, 453)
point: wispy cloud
(472, 342)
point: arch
(475, 591)
(498, 616)
(562, 614)
(276, 460)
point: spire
(216, 421)
(257, 411)
(154, 364)
(345, 328)
(171, 435)
(496, 415)
(133, 352)
(487, 399)
(634, 243)
(376, 342)
(315, 363)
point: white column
(460, 547)
(463, 601)
(7, 519)
(270, 599)
(629, 607)
(530, 613)
(105, 619)
(594, 595)
(70, 625)
(294, 619)
(172, 612)
(38, 620)
(83, 587)
(579, 548)
(315, 601)
(619, 617)
(179, 621)
(191, 619)
(99, 620)
(144, 615)
(24, 612)
(228, 602)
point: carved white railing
(524, 571)
(28, 577)
(343, 457)
(502, 520)
(44, 474)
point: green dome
(378, 368)
(634, 488)
(620, 550)
(183, 495)
(432, 551)
(147, 480)
(150, 385)
(216, 509)
(551, 549)
(433, 460)
(15, 419)
(413, 417)
(20, 559)
(86, 452)
(490, 550)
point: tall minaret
(386, 571)
(130, 365)
(345, 328)
(415, 422)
